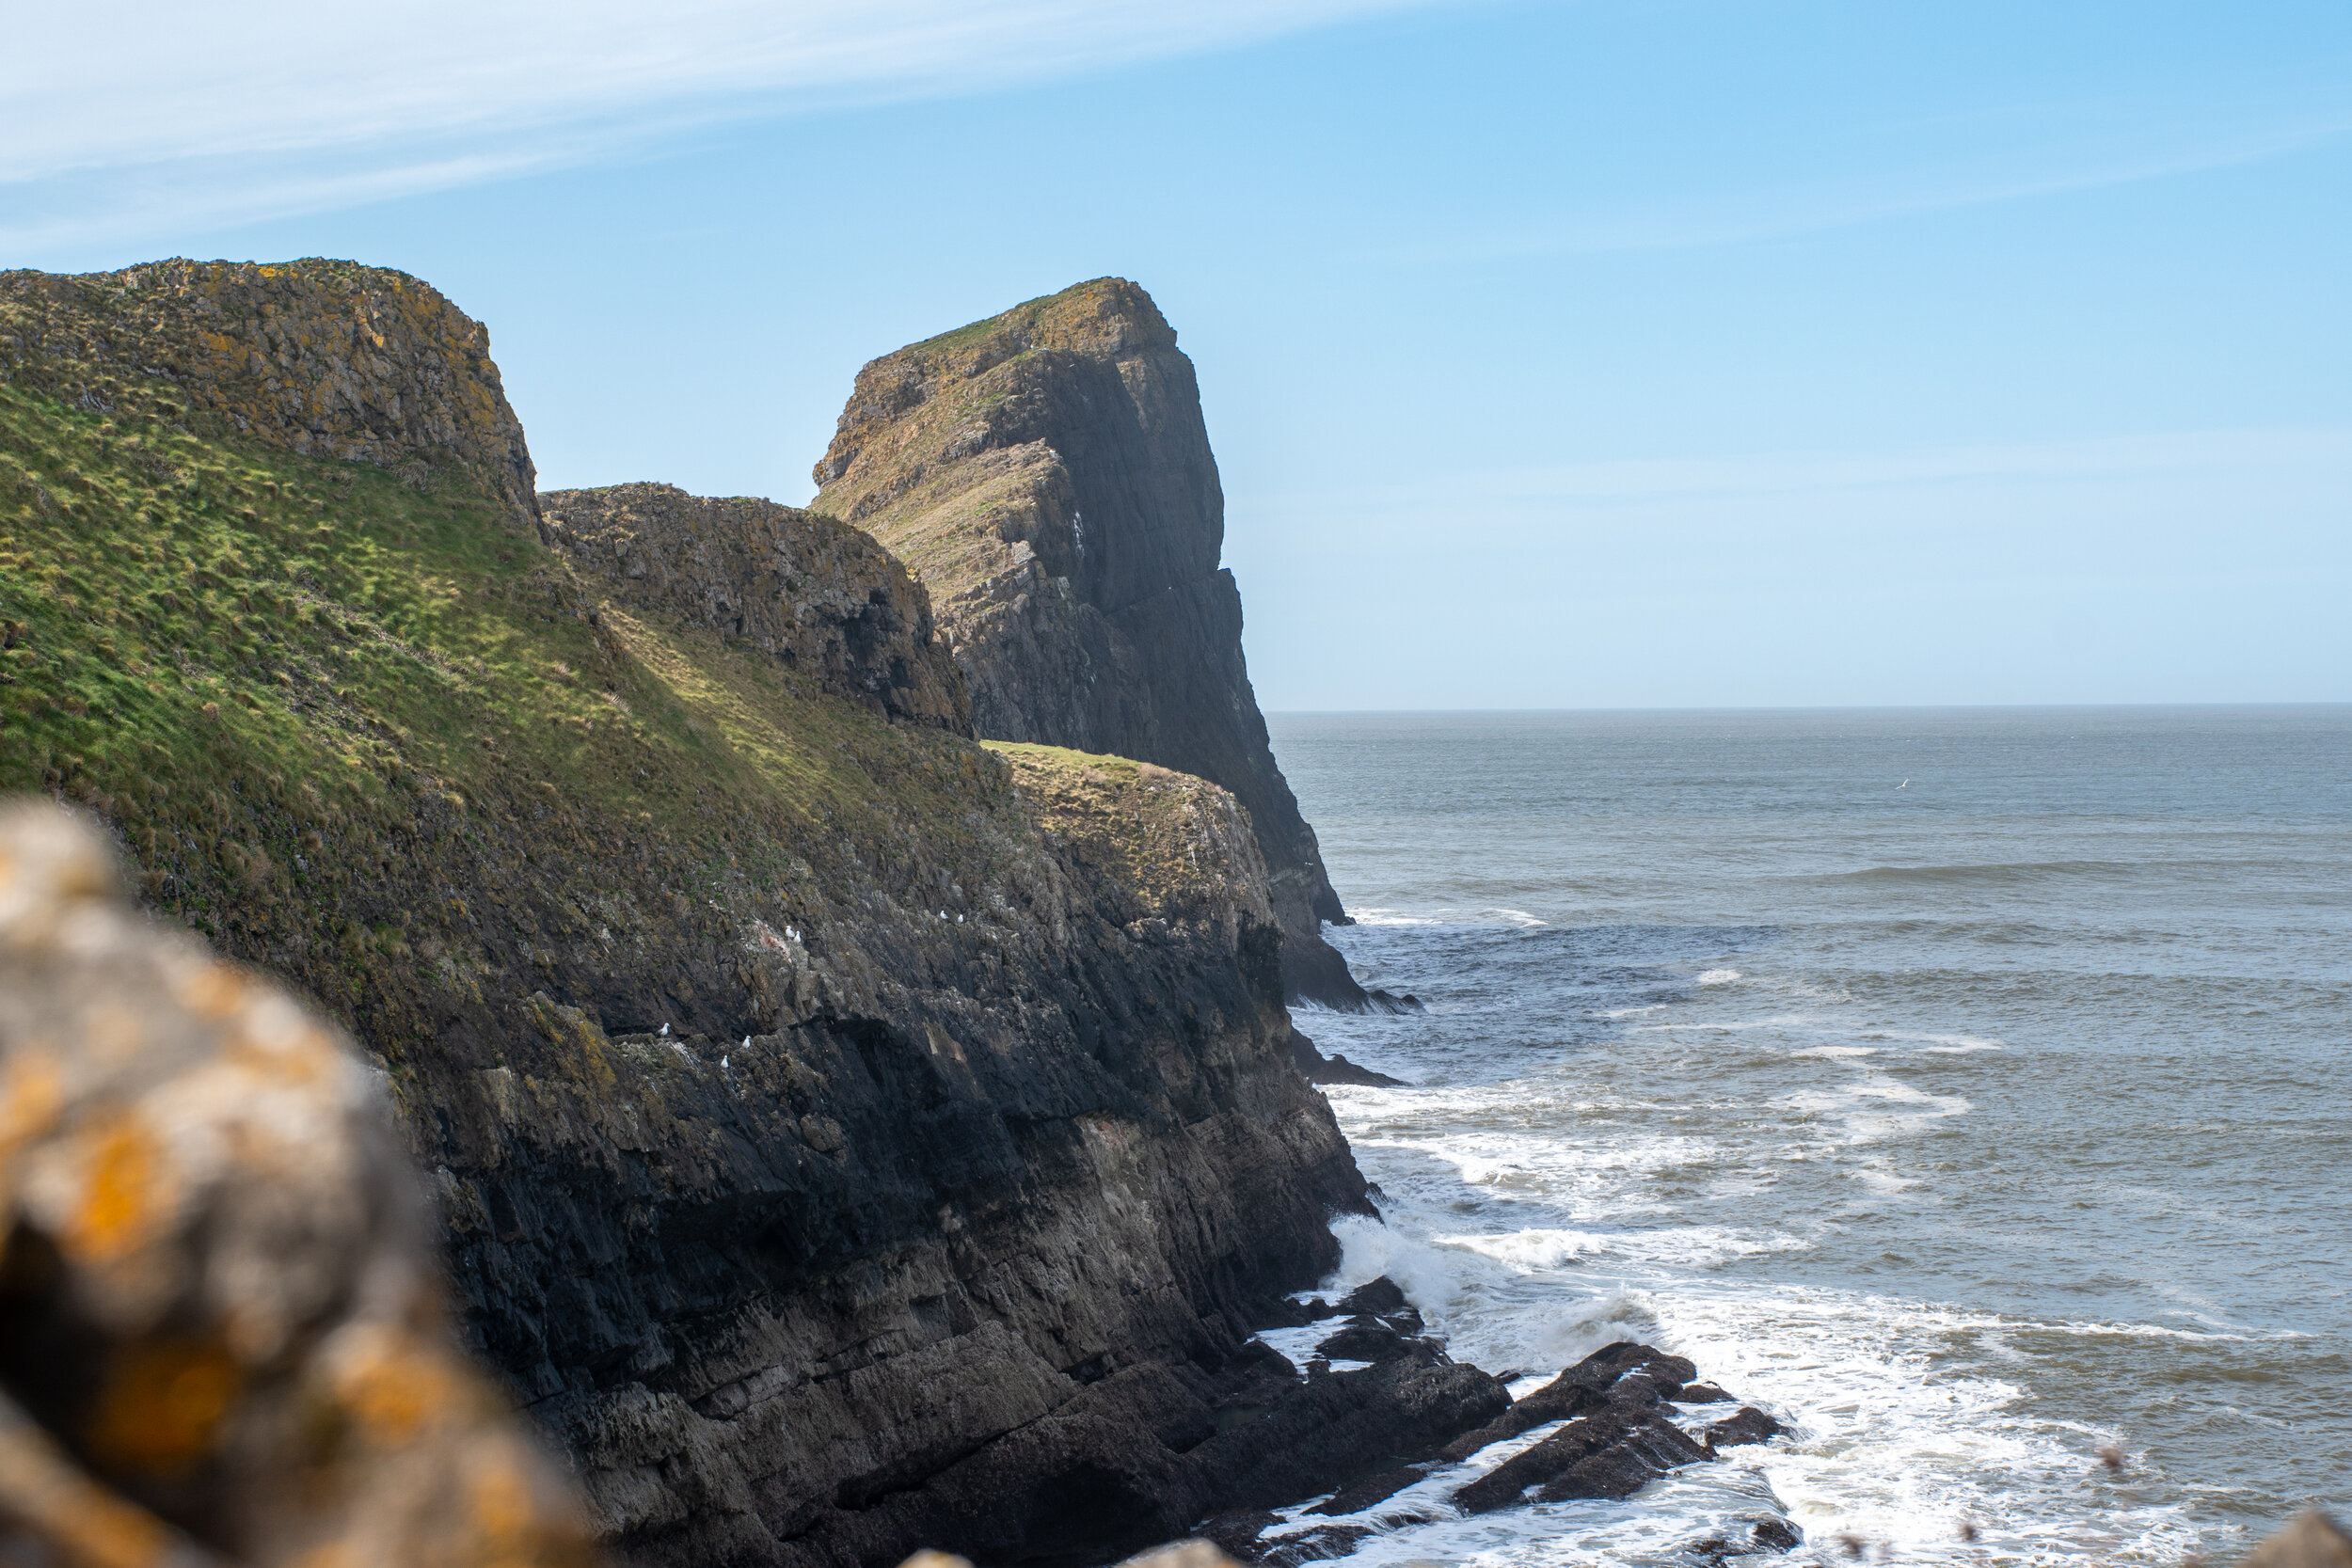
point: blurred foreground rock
(221, 1333)
(2310, 1540)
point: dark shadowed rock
(1333, 1430)
(1701, 1393)
(1641, 1452)
(1609, 1453)
(1584, 1387)
(1369, 1341)
(1373, 1298)
(1335, 1069)
(1047, 474)
(1357, 1495)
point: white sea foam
(1880, 1449)
(1755, 1142)
(1392, 917)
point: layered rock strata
(1047, 474)
(1615, 1428)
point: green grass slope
(368, 734)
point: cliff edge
(1047, 474)
(846, 1136)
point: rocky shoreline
(1431, 1436)
(845, 1135)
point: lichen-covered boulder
(221, 1333)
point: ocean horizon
(1959, 1084)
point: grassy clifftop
(818, 1100)
(322, 357)
(317, 698)
(357, 726)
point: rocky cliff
(320, 357)
(800, 588)
(1048, 476)
(846, 1136)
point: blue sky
(1691, 353)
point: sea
(1964, 1087)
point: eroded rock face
(846, 1137)
(1048, 475)
(326, 359)
(963, 1233)
(221, 1327)
(820, 596)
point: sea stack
(1046, 473)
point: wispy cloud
(2317, 460)
(1774, 210)
(1788, 473)
(242, 108)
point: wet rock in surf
(1326, 1433)
(1768, 1534)
(1377, 1297)
(1380, 1001)
(1750, 1425)
(1336, 1069)
(1619, 1434)
(1609, 1453)
(1582, 1387)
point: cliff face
(847, 1137)
(1047, 474)
(799, 587)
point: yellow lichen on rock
(220, 1326)
(1171, 839)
